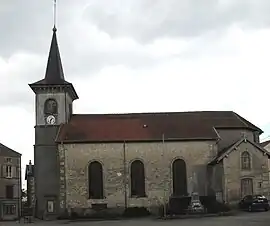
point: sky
(136, 56)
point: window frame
(176, 183)
(46, 111)
(246, 160)
(9, 209)
(9, 173)
(93, 192)
(137, 182)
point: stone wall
(157, 170)
(234, 173)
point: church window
(245, 161)
(246, 187)
(179, 177)
(50, 107)
(95, 180)
(137, 179)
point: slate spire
(54, 71)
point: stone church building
(114, 161)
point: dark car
(254, 202)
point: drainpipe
(125, 173)
(20, 191)
(164, 189)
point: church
(116, 161)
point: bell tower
(53, 107)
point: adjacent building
(116, 161)
(10, 183)
(266, 146)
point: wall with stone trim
(234, 173)
(157, 160)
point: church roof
(150, 126)
(8, 152)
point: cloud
(140, 56)
(146, 20)
(15, 74)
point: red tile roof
(149, 126)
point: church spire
(54, 71)
(54, 75)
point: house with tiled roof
(117, 161)
(266, 145)
(10, 183)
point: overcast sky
(136, 56)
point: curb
(222, 214)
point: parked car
(254, 202)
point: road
(243, 219)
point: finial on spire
(54, 16)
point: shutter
(15, 191)
(4, 173)
(17, 172)
(13, 171)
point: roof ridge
(247, 123)
(146, 113)
(9, 149)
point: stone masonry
(157, 170)
(233, 173)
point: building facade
(116, 161)
(10, 183)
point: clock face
(50, 120)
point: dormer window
(50, 107)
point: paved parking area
(243, 219)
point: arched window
(137, 179)
(95, 180)
(246, 187)
(245, 161)
(179, 177)
(50, 107)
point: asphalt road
(242, 219)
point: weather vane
(54, 15)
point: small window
(9, 209)
(8, 171)
(50, 107)
(50, 206)
(245, 161)
(9, 160)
